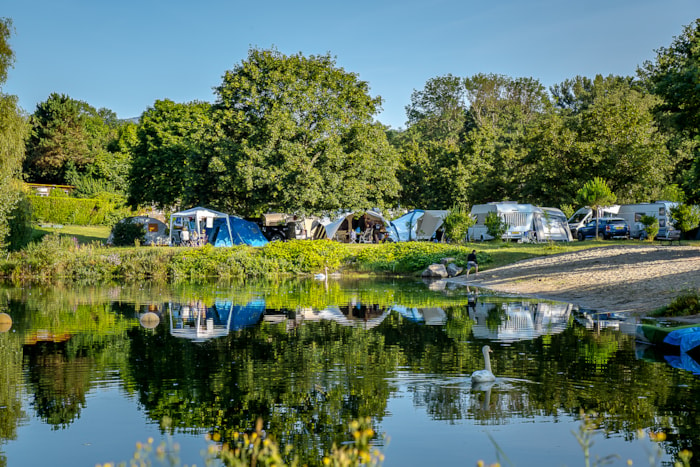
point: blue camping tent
(242, 231)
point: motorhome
(581, 217)
(526, 222)
(633, 213)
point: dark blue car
(608, 227)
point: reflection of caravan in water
(519, 320)
(633, 213)
(526, 222)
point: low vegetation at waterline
(257, 448)
(57, 256)
(686, 304)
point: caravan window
(662, 211)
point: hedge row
(76, 211)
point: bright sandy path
(635, 278)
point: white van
(633, 213)
(585, 214)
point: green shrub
(411, 257)
(685, 304)
(651, 226)
(127, 233)
(457, 223)
(495, 225)
(20, 223)
(307, 256)
(105, 209)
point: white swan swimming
(485, 375)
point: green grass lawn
(84, 233)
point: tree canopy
(12, 134)
(298, 135)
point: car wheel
(277, 237)
(580, 236)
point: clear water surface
(89, 371)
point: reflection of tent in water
(244, 316)
(428, 316)
(199, 323)
(522, 320)
(416, 225)
(346, 316)
(684, 341)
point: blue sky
(124, 55)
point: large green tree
(603, 127)
(298, 135)
(12, 134)
(675, 76)
(170, 151)
(502, 110)
(69, 144)
(433, 163)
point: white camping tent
(194, 220)
(338, 229)
(418, 224)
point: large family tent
(340, 227)
(217, 228)
(418, 224)
(193, 222)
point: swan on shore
(485, 375)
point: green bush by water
(686, 304)
(59, 256)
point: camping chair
(366, 237)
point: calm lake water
(89, 371)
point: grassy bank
(61, 256)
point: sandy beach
(630, 278)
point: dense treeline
(298, 134)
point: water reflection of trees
(306, 381)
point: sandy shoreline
(630, 278)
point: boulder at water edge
(435, 270)
(454, 270)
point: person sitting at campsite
(353, 236)
(472, 263)
(377, 232)
(184, 236)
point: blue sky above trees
(126, 55)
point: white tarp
(418, 224)
(196, 220)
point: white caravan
(585, 214)
(526, 222)
(633, 213)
